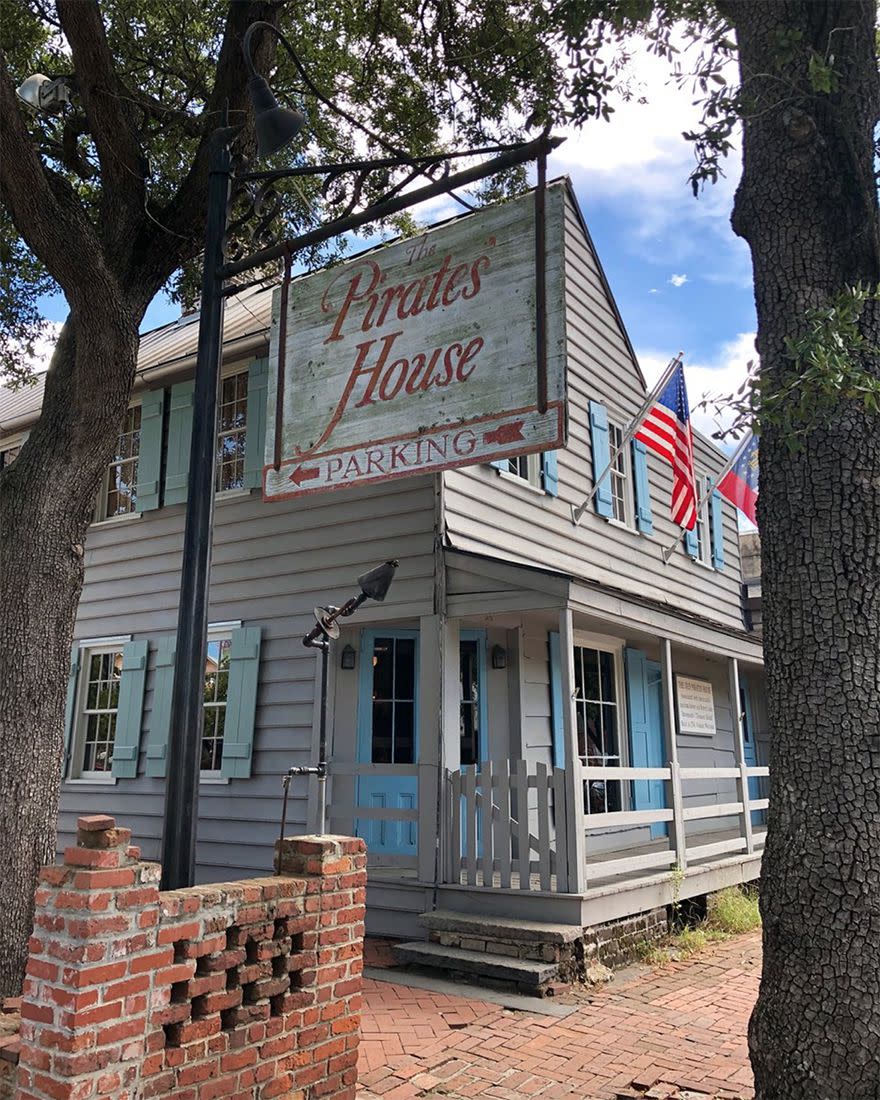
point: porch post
(438, 738)
(670, 729)
(574, 783)
(739, 749)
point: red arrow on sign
(301, 474)
(507, 433)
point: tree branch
(44, 209)
(111, 116)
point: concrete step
(523, 973)
(500, 928)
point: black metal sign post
(275, 126)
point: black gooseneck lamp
(374, 585)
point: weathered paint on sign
(420, 356)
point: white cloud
(678, 280)
(640, 158)
(717, 378)
(653, 290)
(44, 346)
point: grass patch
(731, 912)
(734, 911)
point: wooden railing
(507, 824)
(681, 849)
(492, 815)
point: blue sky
(681, 278)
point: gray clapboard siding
(271, 564)
(492, 515)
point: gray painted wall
(490, 514)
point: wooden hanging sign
(420, 356)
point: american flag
(666, 430)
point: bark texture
(807, 205)
(110, 264)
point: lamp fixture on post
(373, 585)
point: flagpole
(701, 497)
(634, 425)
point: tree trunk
(47, 500)
(807, 206)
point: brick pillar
(325, 1061)
(89, 975)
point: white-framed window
(703, 530)
(528, 468)
(232, 431)
(215, 695)
(599, 696)
(620, 476)
(118, 495)
(97, 708)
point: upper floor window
(95, 729)
(703, 529)
(538, 470)
(621, 488)
(232, 431)
(216, 692)
(119, 488)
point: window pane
(382, 733)
(404, 669)
(591, 674)
(403, 734)
(383, 668)
(609, 734)
(606, 664)
(594, 732)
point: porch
(709, 844)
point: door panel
(749, 753)
(644, 695)
(388, 734)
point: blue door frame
(385, 791)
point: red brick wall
(248, 989)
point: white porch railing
(507, 825)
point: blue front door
(644, 697)
(388, 716)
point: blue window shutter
(70, 706)
(716, 519)
(255, 440)
(556, 704)
(600, 445)
(127, 742)
(179, 438)
(241, 703)
(550, 473)
(691, 543)
(150, 454)
(160, 712)
(644, 519)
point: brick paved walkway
(684, 1024)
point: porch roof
(488, 585)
